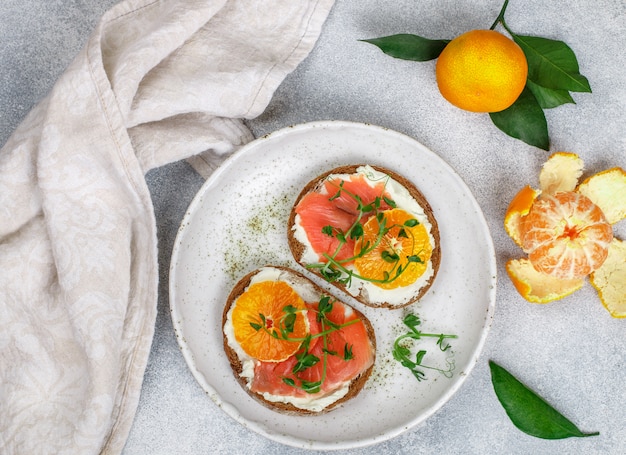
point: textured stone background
(572, 352)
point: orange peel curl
(538, 287)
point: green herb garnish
(528, 411)
(335, 270)
(402, 353)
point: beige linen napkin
(158, 81)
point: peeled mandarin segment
(566, 235)
(538, 287)
(518, 208)
(268, 298)
(560, 173)
(610, 280)
(415, 242)
(607, 189)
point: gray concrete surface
(571, 351)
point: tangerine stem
(500, 17)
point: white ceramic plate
(237, 223)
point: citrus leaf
(409, 47)
(549, 97)
(552, 64)
(524, 120)
(528, 411)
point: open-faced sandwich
(370, 232)
(292, 346)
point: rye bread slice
(298, 248)
(356, 385)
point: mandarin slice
(566, 235)
(607, 189)
(610, 280)
(560, 173)
(518, 208)
(398, 241)
(269, 299)
(538, 287)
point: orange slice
(607, 189)
(518, 208)
(566, 235)
(260, 311)
(538, 287)
(560, 173)
(610, 280)
(398, 241)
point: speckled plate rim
(182, 337)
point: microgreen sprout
(336, 270)
(402, 353)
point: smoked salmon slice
(335, 205)
(268, 376)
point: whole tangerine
(481, 71)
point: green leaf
(412, 320)
(389, 256)
(330, 274)
(401, 351)
(548, 97)
(324, 306)
(390, 202)
(305, 360)
(524, 120)
(552, 64)
(311, 387)
(411, 223)
(290, 321)
(290, 309)
(419, 357)
(347, 352)
(409, 47)
(528, 411)
(357, 231)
